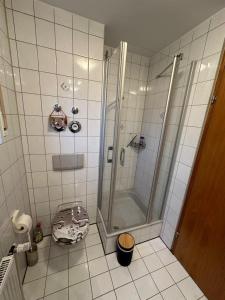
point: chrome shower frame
(102, 131)
(119, 98)
(118, 104)
(175, 66)
(149, 229)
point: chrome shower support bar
(163, 71)
(180, 56)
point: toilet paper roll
(22, 224)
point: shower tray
(128, 210)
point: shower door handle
(109, 156)
(122, 156)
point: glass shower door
(172, 135)
(127, 210)
(133, 180)
(114, 72)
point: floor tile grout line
(181, 290)
(164, 266)
(68, 253)
(56, 292)
(114, 289)
(134, 283)
(149, 273)
(170, 287)
(46, 272)
(108, 271)
(89, 274)
(161, 258)
(194, 282)
(110, 274)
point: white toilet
(70, 224)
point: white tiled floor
(85, 273)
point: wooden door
(200, 242)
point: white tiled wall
(13, 185)
(154, 107)
(135, 87)
(51, 46)
(204, 44)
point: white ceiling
(147, 25)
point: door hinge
(213, 99)
(177, 234)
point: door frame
(206, 123)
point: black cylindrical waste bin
(125, 246)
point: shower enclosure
(142, 120)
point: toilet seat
(70, 224)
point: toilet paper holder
(21, 223)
